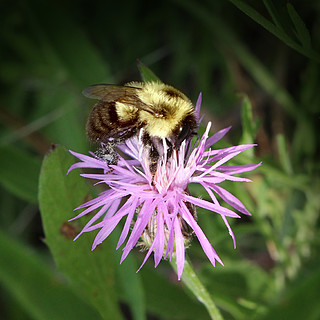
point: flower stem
(191, 280)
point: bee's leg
(154, 157)
(169, 149)
(153, 154)
(108, 153)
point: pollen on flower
(158, 212)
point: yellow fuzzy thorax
(169, 109)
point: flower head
(158, 209)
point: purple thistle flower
(159, 209)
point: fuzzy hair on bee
(159, 110)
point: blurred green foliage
(257, 65)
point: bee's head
(186, 130)
(172, 115)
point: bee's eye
(185, 131)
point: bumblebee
(160, 110)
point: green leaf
(247, 121)
(249, 126)
(19, 172)
(38, 290)
(301, 31)
(279, 32)
(284, 155)
(275, 14)
(129, 285)
(91, 272)
(146, 73)
(132, 290)
(265, 23)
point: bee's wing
(108, 92)
(124, 94)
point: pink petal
(230, 199)
(159, 239)
(217, 154)
(147, 255)
(211, 194)
(210, 206)
(101, 197)
(168, 221)
(88, 161)
(224, 159)
(114, 207)
(179, 241)
(91, 208)
(127, 225)
(197, 107)
(216, 137)
(94, 219)
(205, 244)
(229, 177)
(230, 230)
(239, 169)
(140, 224)
(108, 227)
